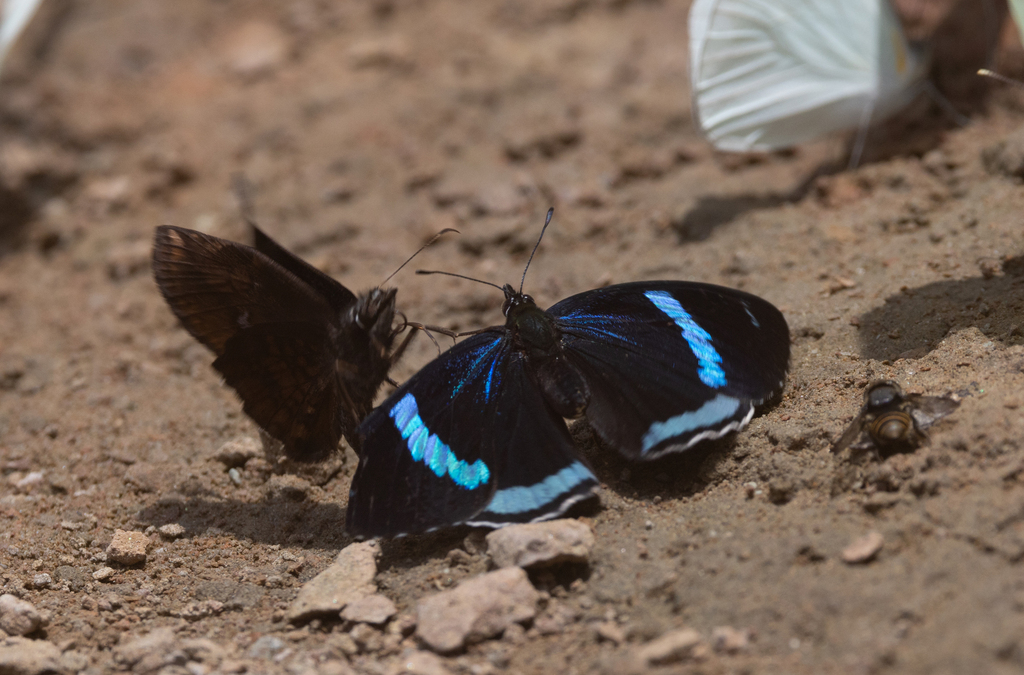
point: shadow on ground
(912, 322)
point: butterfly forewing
(467, 439)
(285, 334)
(672, 363)
(336, 295)
(217, 287)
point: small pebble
(348, 579)
(476, 609)
(41, 580)
(103, 573)
(540, 544)
(422, 663)
(30, 481)
(23, 656)
(18, 617)
(236, 452)
(254, 49)
(374, 609)
(864, 549)
(610, 632)
(128, 548)
(730, 640)
(671, 647)
(265, 647)
(171, 531)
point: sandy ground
(368, 125)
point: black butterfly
(478, 435)
(893, 421)
(305, 355)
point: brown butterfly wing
(218, 287)
(336, 295)
(274, 332)
(286, 377)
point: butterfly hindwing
(671, 363)
(767, 75)
(285, 375)
(468, 439)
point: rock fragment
(349, 578)
(128, 548)
(254, 49)
(863, 549)
(374, 609)
(610, 631)
(22, 656)
(148, 653)
(421, 663)
(236, 452)
(18, 617)
(729, 640)
(539, 544)
(171, 530)
(671, 647)
(265, 647)
(476, 609)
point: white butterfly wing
(769, 74)
(1017, 10)
(14, 17)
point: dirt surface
(368, 125)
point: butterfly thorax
(365, 353)
(536, 336)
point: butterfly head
(515, 301)
(374, 312)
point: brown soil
(368, 125)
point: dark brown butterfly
(305, 354)
(893, 421)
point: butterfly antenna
(861, 140)
(547, 221)
(420, 250)
(459, 276)
(985, 72)
(243, 189)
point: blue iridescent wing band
(671, 363)
(468, 439)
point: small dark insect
(305, 354)
(893, 421)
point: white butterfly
(14, 18)
(1017, 11)
(769, 74)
